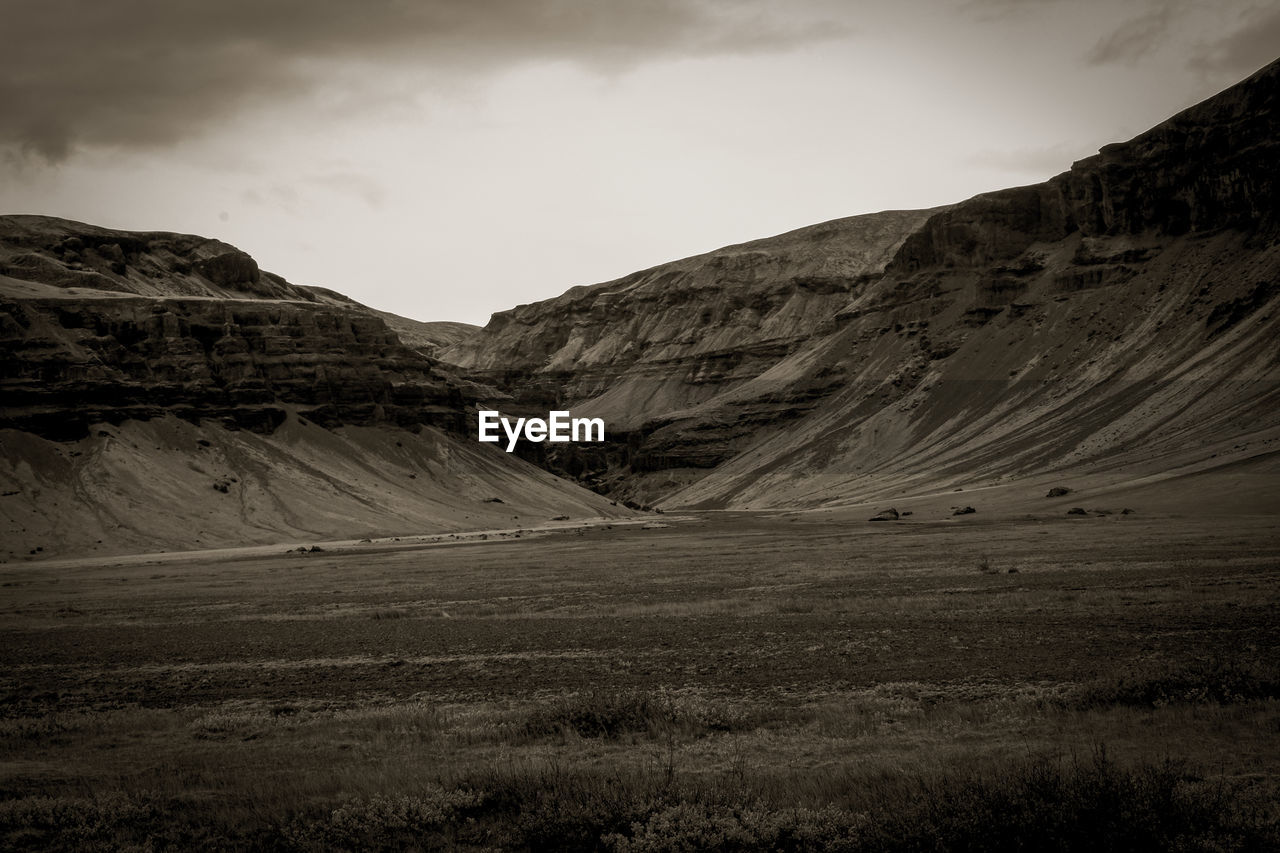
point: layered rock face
(104, 326)
(426, 337)
(1122, 312)
(1149, 367)
(1118, 320)
(68, 365)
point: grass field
(729, 681)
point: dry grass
(721, 690)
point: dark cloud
(138, 73)
(1254, 44)
(1135, 38)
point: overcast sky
(445, 159)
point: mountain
(656, 346)
(1111, 330)
(673, 336)
(1117, 321)
(159, 390)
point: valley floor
(725, 681)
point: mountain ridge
(1180, 218)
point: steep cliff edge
(1119, 317)
(127, 358)
(1212, 166)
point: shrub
(1093, 805)
(613, 714)
(715, 827)
(387, 822)
(1221, 680)
(1051, 805)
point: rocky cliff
(104, 331)
(69, 363)
(1120, 313)
(104, 326)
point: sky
(446, 159)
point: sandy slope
(150, 485)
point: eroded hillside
(1119, 317)
(159, 390)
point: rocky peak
(63, 254)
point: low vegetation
(808, 690)
(1224, 680)
(1091, 803)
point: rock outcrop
(70, 255)
(425, 337)
(72, 363)
(1119, 319)
(105, 326)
